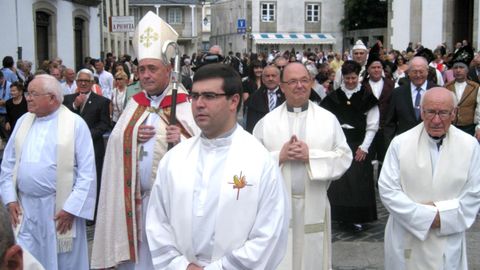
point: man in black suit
(404, 109)
(94, 109)
(266, 98)
(474, 70)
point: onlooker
(9, 72)
(105, 79)
(16, 106)
(118, 96)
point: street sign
(122, 24)
(241, 30)
(241, 23)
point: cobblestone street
(364, 250)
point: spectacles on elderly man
(443, 114)
(303, 81)
(34, 94)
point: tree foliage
(364, 14)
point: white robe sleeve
(414, 217)
(81, 202)
(258, 133)
(161, 239)
(331, 162)
(7, 189)
(373, 119)
(458, 214)
(476, 119)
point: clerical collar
(222, 140)
(437, 139)
(297, 109)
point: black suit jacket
(472, 75)
(401, 114)
(96, 114)
(257, 106)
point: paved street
(364, 250)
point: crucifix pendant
(142, 153)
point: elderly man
(195, 219)
(69, 85)
(359, 55)
(467, 94)
(404, 108)
(47, 178)
(266, 98)
(312, 151)
(135, 147)
(12, 256)
(94, 109)
(432, 198)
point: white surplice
(309, 244)
(449, 177)
(195, 214)
(37, 183)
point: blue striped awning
(293, 38)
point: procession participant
(311, 155)
(135, 147)
(432, 198)
(226, 211)
(47, 179)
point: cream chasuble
(309, 245)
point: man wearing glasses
(94, 109)
(309, 145)
(430, 184)
(47, 179)
(227, 211)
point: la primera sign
(122, 24)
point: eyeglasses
(206, 95)
(83, 81)
(430, 114)
(303, 82)
(119, 79)
(34, 94)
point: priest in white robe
(312, 151)
(135, 147)
(48, 180)
(218, 201)
(430, 184)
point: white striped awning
(293, 38)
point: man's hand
(173, 134)
(294, 150)
(15, 212)
(145, 133)
(193, 266)
(64, 221)
(79, 100)
(7, 126)
(360, 155)
(436, 221)
(477, 134)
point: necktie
(271, 100)
(417, 102)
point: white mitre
(359, 45)
(152, 37)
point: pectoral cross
(142, 153)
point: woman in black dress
(16, 106)
(352, 197)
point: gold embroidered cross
(148, 37)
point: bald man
(430, 184)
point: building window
(268, 12)
(175, 15)
(313, 13)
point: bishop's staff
(175, 78)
